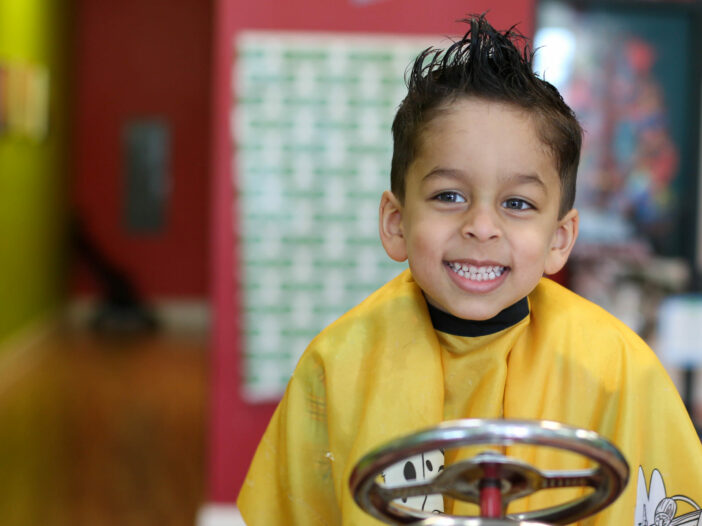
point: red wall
(237, 426)
(145, 59)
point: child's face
(480, 223)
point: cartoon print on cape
(415, 470)
(655, 508)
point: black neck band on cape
(445, 322)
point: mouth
(476, 272)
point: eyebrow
(518, 178)
(528, 178)
(443, 172)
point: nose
(481, 224)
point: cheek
(532, 248)
(425, 239)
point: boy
(482, 189)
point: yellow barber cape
(382, 371)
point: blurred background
(188, 194)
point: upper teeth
(477, 273)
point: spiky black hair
(491, 65)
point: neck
(445, 322)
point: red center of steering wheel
(491, 492)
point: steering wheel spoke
(571, 479)
(408, 491)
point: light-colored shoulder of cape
(555, 308)
(646, 418)
(358, 330)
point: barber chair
(491, 480)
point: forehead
(483, 136)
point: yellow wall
(33, 33)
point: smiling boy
(480, 218)
(481, 205)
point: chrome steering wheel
(491, 480)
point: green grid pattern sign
(313, 148)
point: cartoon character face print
(417, 470)
(655, 508)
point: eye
(409, 471)
(449, 197)
(515, 203)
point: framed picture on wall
(631, 72)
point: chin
(474, 314)
(477, 317)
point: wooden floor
(103, 432)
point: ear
(391, 233)
(562, 242)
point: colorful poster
(24, 100)
(628, 72)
